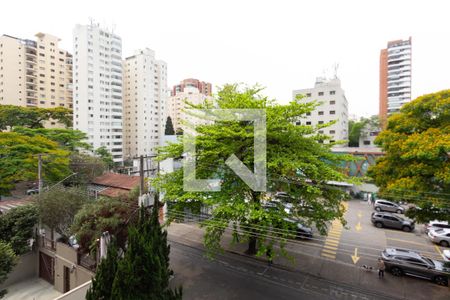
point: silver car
(384, 205)
(408, 262)
(384, 219)
(440, 236)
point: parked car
(32, 191)
(409, 262)
(446, 255)
(432, 225)
(301, 230)
(383, 219)
(384, 205)
(440, 236)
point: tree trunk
(253, 237)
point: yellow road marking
(329, 256)
(334, 235)
(405, 241)
(438, 250)
(332, 243)
(333, 238)
(330, 247)
(329, 251)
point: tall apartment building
(203, 87)
(334, 107)
(97, 95)
(35, 73)
(145, 95)
(395, 76)
(177, 104)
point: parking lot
(360, 242)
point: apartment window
(308, 113)
(308, 122)
(298, 123)
(332, 132)
(41, 47)
(332, 92)
(367, 143)
(41, 54)
(320, 113)
(320, 122)
(332, 112)
(308, 94)
(321, 131)
(320, 93)
(332, 102)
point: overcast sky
(282, 45)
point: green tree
(416, 164)
(16, 227)
(58, 207)
(106, 156)
(169, 127)
(32, 117)
(8, 260)
(297, 163)
(86, 167)
(101, 287)
(67, 139)
(144, 271)
(19, 161)
(354, 129)
(102, 215)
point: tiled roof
(115, 180)
(113, 192)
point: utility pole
(141, 174)
(39, 173)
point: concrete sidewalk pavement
(335, 271)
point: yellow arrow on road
(359, 214)
(358, 227)
(355, 257)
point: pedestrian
(269, 256)
(369, 199)
(381, 268)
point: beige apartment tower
(35, 73)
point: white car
(440, 236)
(446, 255)
(433, 225)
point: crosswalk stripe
(329, 256)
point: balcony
(31, 74)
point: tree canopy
(32, 117)
(355, 129)
(169, 127)
(106, 156)
(19, 160)
(58, 207)
(16, 227)
(416, 164)
(297, 163)
(8, 260)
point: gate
(47, 267)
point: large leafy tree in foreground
(297, 162)
(416, 164)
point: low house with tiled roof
(113, 184)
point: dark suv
(408, 262)
(383, 219)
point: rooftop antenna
(336, 67)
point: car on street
(408, 262)
(384, 205)
(446, 255)
(440, 236)
(384, 219)
(432, 225)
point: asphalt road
(231, 276)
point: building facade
(333, 107)
(35, 73)
(145, 96)
(395, 76)
(177, 106)
(203, 87)
(368, 135)
(97, 95)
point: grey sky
(282, 45)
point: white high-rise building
(334, 107)
(145, 96)
(97, 92)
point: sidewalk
(334, 271)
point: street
(336, 259)
(236, 277)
